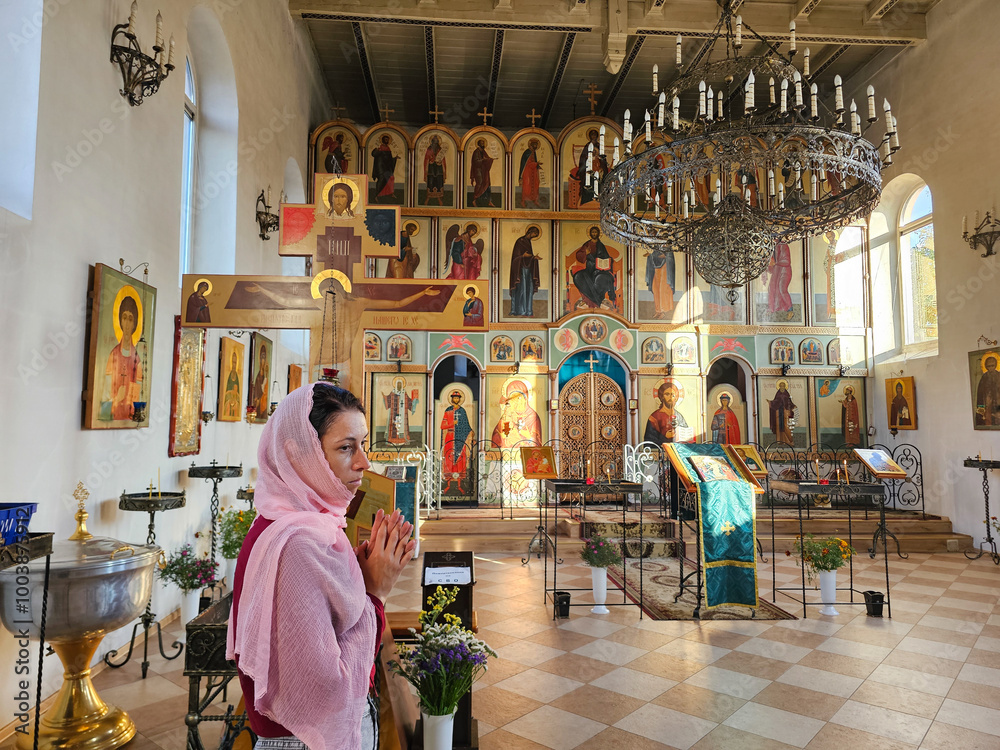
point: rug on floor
(660, 584)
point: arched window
(187, 164)
(918, 288)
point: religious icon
(335, 160)
(197, 306)
(186, 390)
(502, 349)
(337, 148)
(518, 423)
(120, 352)
(458, 439)
(725, 426)
(566, 340)
(836, 272)
(592, 271)
(879, 463)
(474, 312)
(781, 413)
(653, 352)
(399, 347)
(464, 247)
(810, 352)
(683, 352)
(621, 340)
(833, 352)
(901, 400)
(661, 284)
(387, 175)
(484, 153)
(778, 291)
(985, 379)
(751, 458)
(840, 412)
(373, 346)
(524, 274)
(539, 462)
(230, 407)
(294, 377)
(593, 331)
(261, 352)
(782, 352)
(436, 149)
(666, 424)
(712, 303)
(533, 160)
(404, 266)
(341, 198)
(531, 349)
(711, 469)
(582, 149)
(396, 418)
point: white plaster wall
(107, 185)
(949, 118)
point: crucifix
(336, 111)
(434, 113)
(533, 117)
(386, 112)
(592, 91)
(340, 232)
(592, 360)
(484, 114)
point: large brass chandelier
(750, 127)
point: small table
(146, 502)
(215, 474)
(985, 466)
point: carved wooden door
(592, 425)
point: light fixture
(799, 167)
(329, 374)
(251, 414)
(268, 222)
(985, 233)
(142, 74)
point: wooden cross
(386, 111)
(592, 91)
(484, 114)
(727, 528)
(592, 361)
(434, 113)
(336, 111)
(533, 117)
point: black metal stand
(688, 519)
(215, 474)
(556, 487)
(141, 502)
(541, 538)
(985, 466)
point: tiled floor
(928, 678)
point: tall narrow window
(916, 268)
(187, 165)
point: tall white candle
(649, 131)
(685, 205)
(770, 85)
(656, 209)
(770, 182)
(660, 110)
(617, 151)
(159, 31)
(701, 99)
(739, 31)
(781, 194)
(872, 117)
(670, 192)
(805, 62)
(626, 123)
(791, 36)
(784, 95)
(894, 136)
(718, 101)
(798, 89)
(677, 113)
(710, 110)
(814, 92)
(678, 56)
(656, 78)
(131, 17)
(815, 187)
(855, 120)
(170, 56)
(888, 115)
(749, 104)
(600, 141)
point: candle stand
(215, 474)
(985, 466)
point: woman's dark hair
(329, 402)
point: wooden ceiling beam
(557, 76)
(366, 71)
(804, 8)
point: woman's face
(343, 445)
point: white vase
(229, 571)
(438, 731)
(189, 605)
(599, 582)
(828, 592)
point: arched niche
(455, 427)
(214, 227)
(728, 376)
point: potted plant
(234, 524)
(190, 574)
(442, 665)
(599, 552)
(822, 558)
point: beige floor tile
(971, 692)
(835, 737)
(938, 649)
(518, 628)
(729, 682)
(159, 717)
(752, 664)
(497, 706)
(629, 682)
(898, 698)
(775, 724)
(137, 694)
(981, 675)
(845, 665)
(970, 716)
(503, 740)
(949, 737)
(561, 639)
(701, 702)
(500, 669)
(793, 637)
(538, 685)
(555, 728)
(987, 643)
(696, 651)
(610, 651)
(590, 626)
(605, 706)
(726, 737)
(884, 722)
(612, 737)
(715, 637)
(666, 666)
(774, 650)
(812, 703)
(528, 653)
(834, 683)
(923, 663)
(911, 679)
(854, 649)
(576, 667)
(982, 658)
(666, 725)
(647, 640)
(941, 635)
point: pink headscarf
(306, 631)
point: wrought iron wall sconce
(985, 234)
(516, 368)
(268, 222)
(142, 74)
(986, 340)
(785, 368)
(237, 334)
(207, 416)
(251, 414)
(843, 370)
(669, 368)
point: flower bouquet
(233, 527)
(822, 555)
(600, 552)
(187, 571)
(443, 663)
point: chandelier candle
(872, 117)
(678, 51)
(770, 85)
(662, 106)
(791, 37)
(838, 84)
(814, 91)
(677, 113)
(805, 63)
(710, 111)
(888, 116)
(600, 141)
(656, 76)
(797, 78)
(749, 104)
(739, 32)
(784, 95)
(701, 99)
(719, 99)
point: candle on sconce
(894, 138)
(838, 84)
(784, 95)
(656, 78)
(791, 37)
(677, 113)
(662, 105)
(170, 55)
(872, 117)
(965, 225)
(798, 88)
(749, 103)
(159, 30)
(814, 101)
(710, 109)
(678, 55)
(816, 461)
(131, 18)
(600, 141)
(888, 115)
(701, 99)
(805, 62)
(847, 477)
(739, 31)
(770, 85)
(268, 201)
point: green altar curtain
(727, 526)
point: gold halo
(461, 396)
(330, 273)
(900, 382)
(479, 228)
(355, 191)
(778, 384)
(412, 234)
(475, 288)
(198, 284)
(594, 226)
(982, 360)
(517, 379)
(129, 291)
(398, 379)
(718, 398)
(536, 227)
(676, 386)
